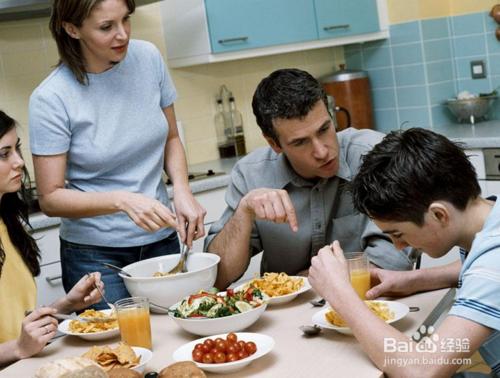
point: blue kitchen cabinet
(338, 18)
(247, 24)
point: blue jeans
(78, 259)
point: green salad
(216, 305)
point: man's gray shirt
(324, 210)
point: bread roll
(123, 373)
(74, 367)
(183, 369)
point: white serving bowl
(146, 356)
(226, 324)
(166, 291)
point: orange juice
(135, 326)
(360, 281)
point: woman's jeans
(78, 259)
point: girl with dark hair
(21, 336)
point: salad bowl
(207, 314)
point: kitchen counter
(481, 135)
(330, 354)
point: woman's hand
(82, 295)
(36, 330)
(190, 216)
(148, 213)
(329, 273)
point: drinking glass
(134, 321)
(359, 272)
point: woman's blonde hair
(74, 12)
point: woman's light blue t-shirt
(113, 131)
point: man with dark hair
(422, 191)
(290, 199)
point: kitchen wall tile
(414, 117)
(412, 96)
(381, 78)
(386, 120)
(407, 54)
(198, 128)
(376, 44)
(437, 50)
(493, 64)
(439, 71)
(495, 82)
(409, 75)
(352, 47)
(202, 150)
(469, 46)
(474, 86)
(441, 92)
(20, 62)
(354, 59)
(468, 24)
(376, 57)
(441, 116)
(405, 33)
(492, 43)
(22, 36)
(384, 99)
(435, 28)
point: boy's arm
(402, 283)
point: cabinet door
(338, 18)
(49, 284)
(246, 24)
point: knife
(443, 305)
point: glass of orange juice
(134, 322)
(359, 271)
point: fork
(74, 317)
(110, 305)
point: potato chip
(110, 358)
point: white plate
(146, 356)
(399, 309)
(282, 298)
(64, 328)
(264, 345)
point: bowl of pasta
(150, 278)
(388, 311)
(279, 287)
(89, 330)
(207, 313)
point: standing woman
(102, 130)
(23, 336)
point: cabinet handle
(51, 280)
(336, 27)
(230, 40)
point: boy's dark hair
(286, 94)
(14, 213)
(407, 171)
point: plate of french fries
(92, 330)
(388, 311)
(279, 287)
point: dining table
(294, 355)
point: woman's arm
(189, 212)
(56, 200)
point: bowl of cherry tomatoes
(225, 353)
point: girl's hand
(36, 330)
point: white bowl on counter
(168, 290)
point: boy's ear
(439, 212)
(274, 145)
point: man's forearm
(232, 244)
(437, 277)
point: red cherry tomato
(250, 347)
(208, 358)
(220, 358)
(221, 345)
(231, 357)
(242, 354)
(197, 355)
(218, 340)
(198, 346)
(209, 343)
(236, 347)
(231, 337)
(230, 349)
(205, 349)
(241, 344)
